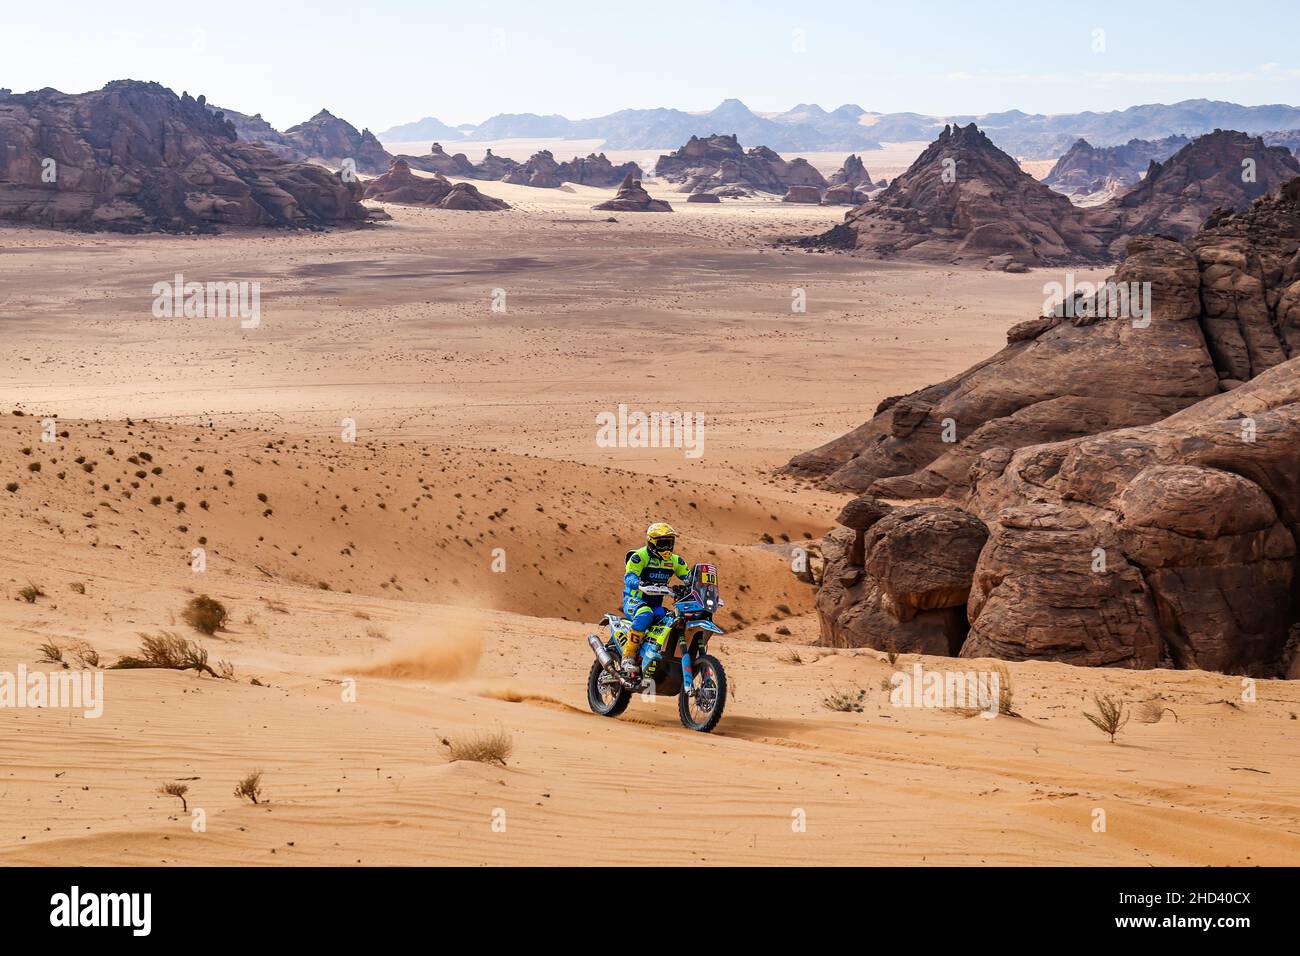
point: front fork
(688, 679)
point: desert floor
(369, 565)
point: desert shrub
(250, 788)
(77, 587)
(86, 655)
(177, 790)
(1153, 711)
(1110, 717)
(11, 487)
(205, 614)
(792, 656)
(491, 747)
(30, 593)
(51, 653)
(1006, 692)
(167, 651)
(844, 701)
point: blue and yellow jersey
(645, 567)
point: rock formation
(597, 170)
(964, 200)
(1170, 544)
(437, 161)
(853, 173)
(804, 194)
(703, 197)
(134, 157)
(400, 185)
(254, 129)
(1091, 175)
(1138, 481)
(541, 171)
(845, 195)
(1218, 311)
(704, 165)
(333, 142)
(632, 197)
(1223, 169)
(899, 578)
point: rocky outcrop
(541, 171)
(1090, 175)
(705, 165)
(437, 161)
(1220, 170)
(400, 185)
(334, 142)
(853, 173)
(703, 197)
(804, 194)
(597, 170)
(254, 129)
(1171, 544)
(899, 579)
(1176, 324)
(494, 167)
(1138, 477)
(962, 201)
(845, 195)
(134, 157)
(632, 197)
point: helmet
(660, 539)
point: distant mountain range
(850, 127)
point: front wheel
(703, 709)
(605, 695)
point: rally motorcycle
(673, 658)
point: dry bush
(1006, 692)
(31, 593)
(792, 656)
(86, 655)
(169, 651)
(205, 614)
(77, 587)
(225, 670)
(177, 790)
(51, 653)
(1152, 711)
(489, 747)
(844, 701)
(1110, 717)
(250, 788)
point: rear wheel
(605, 695)
(703, 709)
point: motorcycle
(673, 657)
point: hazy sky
(391, 61)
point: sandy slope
(476, 431)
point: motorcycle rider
(656, 563)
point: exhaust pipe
(602, 655)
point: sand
(434, 579)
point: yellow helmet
(660, 539)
